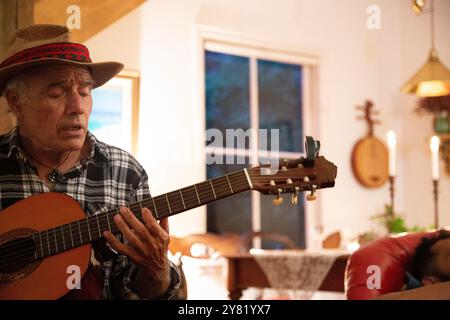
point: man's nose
(74, 103)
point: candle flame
(434, 144)
(392, 140)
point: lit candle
(434, 147)
(392, 144)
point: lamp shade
(432, 80)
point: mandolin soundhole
(17, 251)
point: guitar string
(133, 207)
(220, 187)
(28, 250)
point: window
(246, 91)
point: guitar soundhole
(17, 252)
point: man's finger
(124, 228)
(115, 243)
(135, 224)
(153, 226)
(164, 223)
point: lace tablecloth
(300, 271)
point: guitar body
(47, 278)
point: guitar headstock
(292, 176)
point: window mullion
(254, 126)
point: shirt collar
(14, 145)
(97, 150)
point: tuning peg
(272, 183)
(299, 165)
(306, 179)
(283, 168)
(289, 181)
(294, 198)
(278, 200)
(312, 196)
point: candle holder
(436, 202)
(391, 191)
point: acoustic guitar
(42, 236)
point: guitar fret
(236, 180)
(71, 236)
(35, 251)
(40, 241)
(98, 225)
(248, 179)
(168, 204)
(48, 244)
(212, 188)
(162, 205)
(88, 222)
(182, 200)
(79, 230)
(63, 236)
(140, 204)
(229, 184)
(175, 201)
(56, 241)
(196, 192)
(107, 219)
(205, 192)
(154, 206)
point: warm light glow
(353, 246)
(434, 144)
(434, 147)
(418, 6)
(434, 88)
(392, 144)
(392, 139)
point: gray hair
(18, 84)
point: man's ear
(14, 102)
(430, 280)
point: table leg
(235, 294)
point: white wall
(159, 39)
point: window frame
(213, 39)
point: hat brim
(101, 72)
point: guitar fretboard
(80, 232)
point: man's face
(441, 250)
(55, 112)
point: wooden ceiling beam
(94, 15)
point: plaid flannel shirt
(108, 178)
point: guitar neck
(52, 241)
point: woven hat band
(66, 51)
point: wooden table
(245, 272)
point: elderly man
(47, 82)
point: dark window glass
(280, 103)
(227, 93)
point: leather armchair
(393, 256)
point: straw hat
(45, 44)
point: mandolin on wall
(370, 155)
